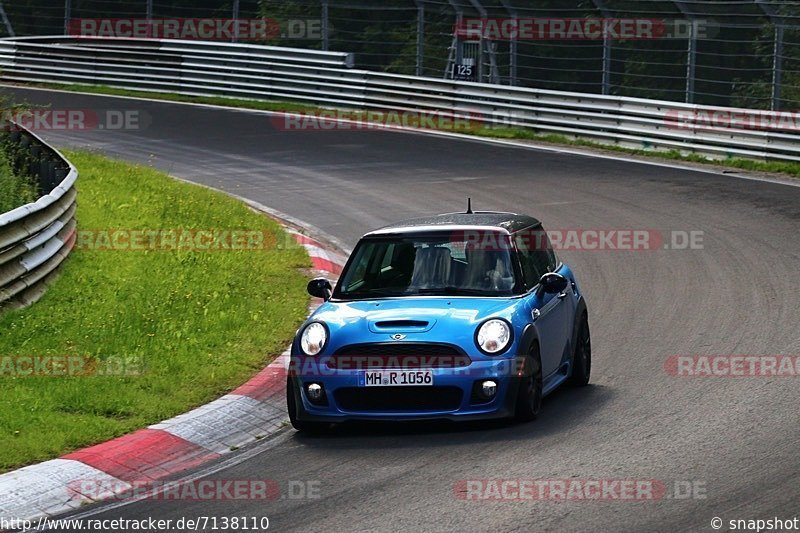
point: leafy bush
(15, 189)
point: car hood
(428, 319)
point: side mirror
(320, 288)
(552, 283)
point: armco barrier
(36, 238)
(325, 78)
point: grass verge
(181, 327)
(261, 105)
(791, 169)
(779, 167)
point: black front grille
(398, 324)
(399, 348)
(398, 398)
(398, 355)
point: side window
(552, 260)
(535, 254)
(358, 269)
(386, 264)
(547, 248)
(530, 269)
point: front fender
(530, 335)
(580, 311)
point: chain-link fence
(744, 53)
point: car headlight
(493, 336)
(313, 338)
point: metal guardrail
(325, 78)
(37, 237)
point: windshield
(443, 265)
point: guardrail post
(777, 67)
(67, 15)
(325, 30)
(420, 36)
(691, 62)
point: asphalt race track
(735, 438)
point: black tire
(529, 395)
(291, 405)
(582, 355)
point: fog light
(488, 389)
(314, 392)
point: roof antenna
(469, 205)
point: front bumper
(451, 396)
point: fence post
(691, 62)
(607, 42)
(512, 55)
(777, 67)
(67, 15)
(235, 16)
(9, 28)
(606, 81)
(420, 36)
(325, 33)
(512, 45)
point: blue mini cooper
(459, 316)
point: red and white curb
(323, 258)
(253, 411)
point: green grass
(261, 105)
(791, 169)
(201, 323)
(15, 190)
(781, 167)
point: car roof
(480, 220)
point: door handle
(562, 295)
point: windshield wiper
(372, 293)
(443, 291)
(450, 290)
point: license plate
(396, 378)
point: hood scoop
(399, 325)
